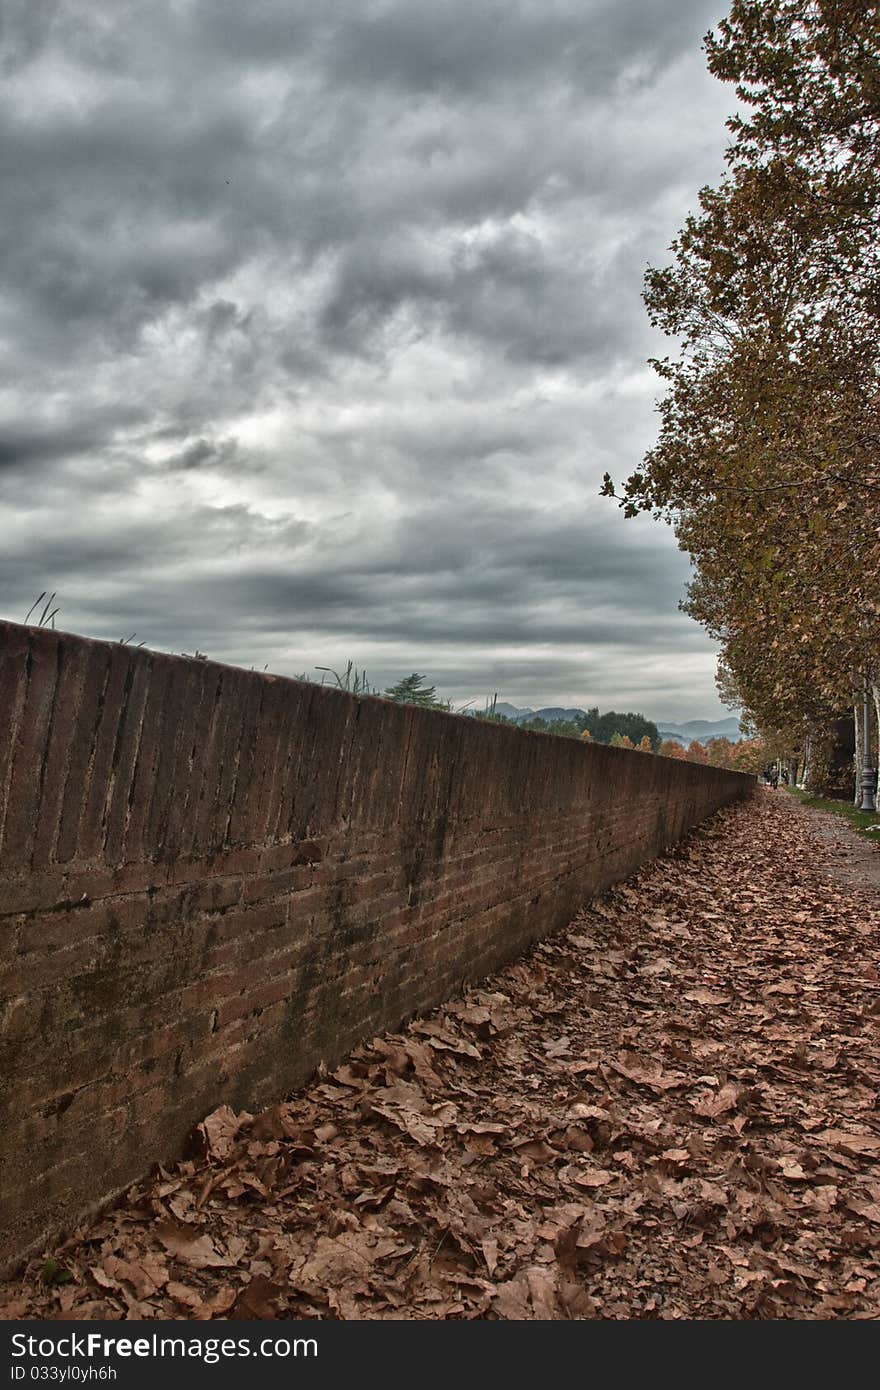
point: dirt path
(667, 1111)
(853, 859)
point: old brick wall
(211, 880)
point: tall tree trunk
(857, 756)
(875, 755)
(805, 772)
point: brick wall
(211, 880)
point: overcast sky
(320, 323)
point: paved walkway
(667, 1111)
(855, 859)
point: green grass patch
(859, 820)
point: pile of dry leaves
(669, 1110)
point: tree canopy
(601, 728)
(412, 690)
(767, 461)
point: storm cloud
(320, 325)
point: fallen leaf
(261, 1298)
(218, 1131)
(184, 1244)
(723, 1100)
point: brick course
(211, 880)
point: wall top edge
(51, 638)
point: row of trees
(746, 755)
(626, 730)
(618, 730)
(767, 460)
(622, 730)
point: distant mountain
(701, 730)
(551, 713)
(513, 711)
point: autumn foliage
(767, 460)
(746, 755)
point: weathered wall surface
(211, 880)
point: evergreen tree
(412, 690)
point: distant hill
(551, 713)
(515, 712)
(554, 714)
(701, 730)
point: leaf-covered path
(669, 1110)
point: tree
(769, 425)
(718, 752)
(621, 741)
(808, 71)
(748, 755)
(633, 726)
(411, 690)
(600, 728)
(671, 748)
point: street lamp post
(867, 778)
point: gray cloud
(321, 323)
